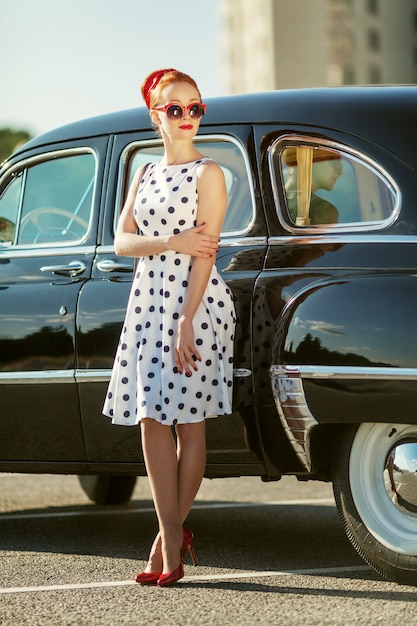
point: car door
(103, 302)
(49, 205)
(325, 297)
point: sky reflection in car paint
(377, 341)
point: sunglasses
(177, 112)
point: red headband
(152, 81)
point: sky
(64, 60)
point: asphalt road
(268, 554)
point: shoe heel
(187, 544)
(192, 554)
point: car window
(48, 201)
(231, 157)
(9, 208)
(324, 186)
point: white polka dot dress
(145, 381)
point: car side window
(9, 208)
(231, 157)
(328, 187)
(48, 201)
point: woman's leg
(191, 453)
(175, 476)
(162, 467)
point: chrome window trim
(198, 140)
(306, 140)
(35, 160)
(341, 238)
(294, 413)
(232, 241)
(23, 252)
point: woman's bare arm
(212, 204)
(127, 242)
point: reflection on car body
(319, 248)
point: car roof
(374, 111)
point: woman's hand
(186, 354)
(194, 242)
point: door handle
(108, 265)
(71, 269)
(241, 372)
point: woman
(173, 365)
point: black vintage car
(320, 250)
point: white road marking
(325, 571)
(204, 577)
(129, 511)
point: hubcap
(400, 476)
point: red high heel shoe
(187, 544)
(148, 578)
(172, 577)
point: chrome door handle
(108, 265)
(72, 269)
(241, 372)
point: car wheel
(375, 487)
(108, 489)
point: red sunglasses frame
(183, 109)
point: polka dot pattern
(145, 381)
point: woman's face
(184, 127)
(326, 173)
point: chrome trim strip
(381, 173)
(108, 249)
(244, 242)
(47, 156)
(225, 242)
(295, 416)
(37, 377)
(40, 377)
(341, 238)
(354, 373)
(21, 253)
(92, 376)
(291, 403)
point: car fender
(345, 351)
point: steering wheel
(33, 218)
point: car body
(319, 248)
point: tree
(10, 139)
